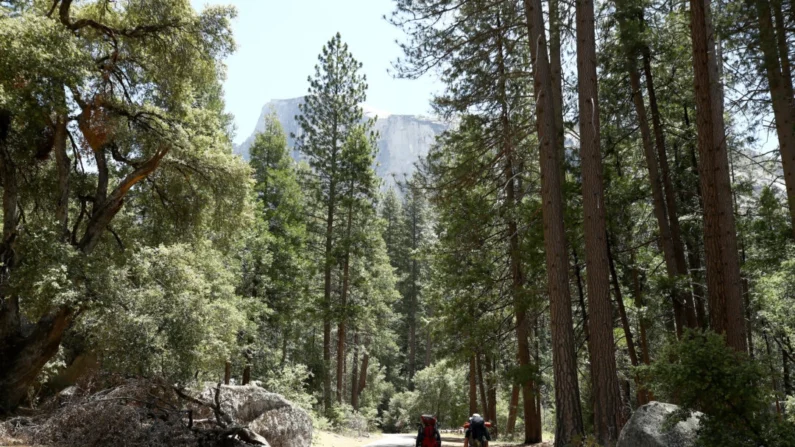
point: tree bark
(567, 392)
(514, 253)
(631, 350)
(720, 235)
(482, 387)
(355, 373)
(491, 394)
(363, 374)
(513, 408)
(608, 417)
(581, 295)
(328, 264)
(473, 391)
(343, 308)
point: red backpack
(428, 435)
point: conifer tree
(330, 113)
(608, 415)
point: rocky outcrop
(648, 428)
(402, 139)
(270, 415)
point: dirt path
(399, 440)
(327, 439)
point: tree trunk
(343, 309)
(26, 353)
(608, 417)
(355, 373)
(491, 394)
(581, 295)
(473, 391)
(227, 372)
(482, 387)
(785, 376)
(642, 323)
(641, 394)
(514, 254)
(567, 392)
(363, 374)
(429, 340)
(246, 374)
(412, 311)
(690, 312)
(328, 264)
(557, 78)
(720, 235)
(513, 408)
(781, 95)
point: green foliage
(438, 391)
(702, 374)
(169, 311)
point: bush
(701, 373)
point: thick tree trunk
(608, 417)
(720, 235)
(781, 95)
(567, 392)
(26, 353)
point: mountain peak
(402, 139)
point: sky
(278, 42)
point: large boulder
(270, 415)
(648, 428)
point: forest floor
(328, 439)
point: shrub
(701, 373)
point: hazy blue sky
(278, 43)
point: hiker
(428, 435)
(477, 435)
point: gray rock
(402, 139)
(268, 414)
(647, 428)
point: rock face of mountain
(402, 139)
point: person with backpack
(477, 433)
(428, 435)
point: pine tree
(608, 416)
(330, 113)
(567, 393)
(282, 212)
(720, 234)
